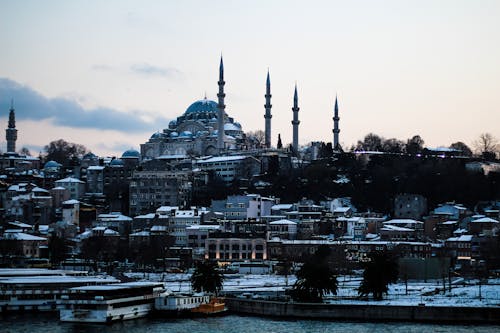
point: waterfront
(24, 323)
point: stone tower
(220, 107)
(295, 122)
(336, 129)
(11, 131)
(268, 115)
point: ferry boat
(186, 305)
(179, 304)
(21, 290)
(108, 303)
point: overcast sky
(108, 74)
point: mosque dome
(51, 164)
(156, 135)
(131, 153)
(116, 162)
(202, 106)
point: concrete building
(76, 187)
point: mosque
(196, 132)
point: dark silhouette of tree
(487, 146)
(64, 152)
(207, 277)
(393, 146)
(415, 145)
(380, 271)
(256, 139)
(315, 278)
(280, 144)
(25, 152)
(465, 150)
(57, 249)
(371, 142)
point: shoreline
(365, 312)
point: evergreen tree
(380, 271)
(315, 279)
(280, 144)
(207, 277)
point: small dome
(116, 162)
(51, 164)
(131, 153)
(186, 134)
(174, 134)
(202, 106)
(156, 135)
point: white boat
(107, 303)
(22, 291)
(177, 304)
(183, 304)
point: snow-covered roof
(282, 206)
(396, 228)
(402, 221)
(111, 232)
(282, 222)
(69, 180)
(20, 224)
(341, 209)
(485, 220)
(71, 202)
(203, 227)
(23, 237)
(463, 238)
(221, 159)
(95, 167)
(145, 216)
(141, 234)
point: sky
(108, 74)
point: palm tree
(207, 277)
(380, 271)
(315, 279)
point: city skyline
(108, 75)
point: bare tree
(256, 138)
(486, 145)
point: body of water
(30, 323)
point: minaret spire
(11, 131)
(295, 121)
(220, 107)
(268, 115)
(336, 129)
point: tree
(486, 145)
(57, 249)
(25, 152)
(415, 145)
(280, 144)
(256, 138)
(207, 277)
(380, 271)
(393, 146)
(371, 142)
(63, 152)
(464, 149)
(315, 279)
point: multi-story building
(76, 187)
(152, 189)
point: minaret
(268, 115)
(295, 122)
(336, 129)
(220, 107)
(11, 132)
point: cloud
(63, 111)
(151, 70)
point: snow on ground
(430, 293)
